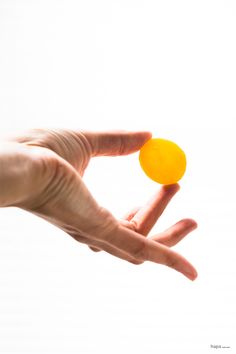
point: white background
(164, 66)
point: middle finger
(146, 217)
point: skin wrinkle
(78, 235)
(19, 179)
(68, 146)
(121, 146)
(95, 143)
(86, 152)
(65, 143)
(109, 144)
(48, 193)
(56, 184)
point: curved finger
(146, 217)
(175, 233)
(143, 249)
(98, 246)
(127, 217)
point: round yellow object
(163, 161)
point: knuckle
(95, 249)
(119, 142)
(133, 225)
(77, 145)
(136, 262)
(141, 252)
(121, 145)
(78, 237)
(171, 262)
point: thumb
(114, 143)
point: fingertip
(134, 141)
(174, 188)
(148, 134)
(192, 224)
(177, 186)
(188, 224)
(191, 273)
(194, 275)
(143, 135)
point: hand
(51, 187)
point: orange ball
(163, 161)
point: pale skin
(41, 172)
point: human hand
(51, 187)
